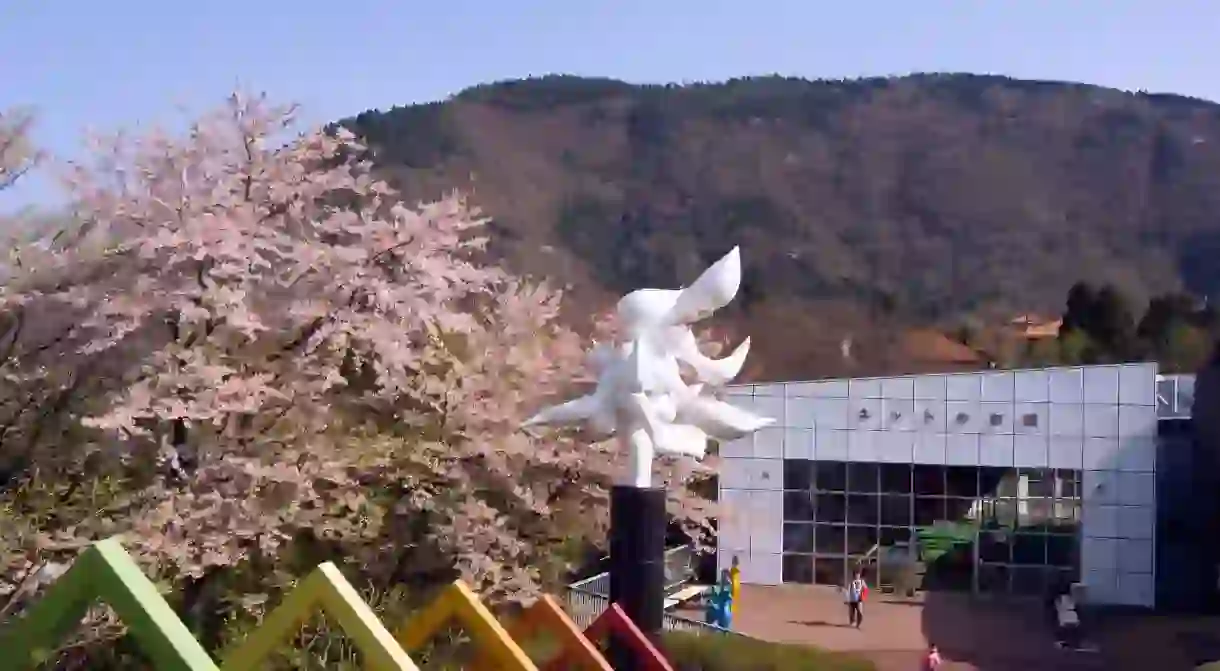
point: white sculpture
(641, 396)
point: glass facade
(919, 526)
(998, 482)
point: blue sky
(124, 63)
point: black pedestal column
(637, 561)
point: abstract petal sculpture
(641, 396)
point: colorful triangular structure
(546, 615)
(614, 623)
(104, 572)
(326, 588)
(456, 601)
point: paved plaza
(971, 633)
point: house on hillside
(1034, 327)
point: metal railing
(586, 599)
(1175, 396)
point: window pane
(860, 540)
(798, 538)
(798, 568)
(896, 478)
(829, 571)
(1029, 549)
(798, 474)
(895, 511)
(862, 477)
(830, 508)
(962, 481)
(830, 476)
(1061, 550)
(994, 547)
(862, 509)
(894, 536)
(929, 510)
(829, 539)
(929, 480)
(798, 506)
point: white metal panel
(1101, 454)
(1064, 452)
(769, 443)
(899, 415)
(964, 387)
(771, 389)
(1066, 385)
(827, 389)
(1101, 586)
(1137, 420)
(930, 416)
(767, 568)
(1031, 385)
(798, 443)
(896, 447)
(800, 389)
(799, 412)
(963, 417)
(864, 387)
(767, 474)
(1136, 522)
(1137, 384)
(930, 387)
(766, 522)
(898, 387)
(744, 402)
(770, 406)
(996, 450)
(1067, 419)
(1099, 520)
(862, 445)
(742, 447)
(1134, 555)
(962, 450)
(1137, 454)
(1101, 384)
(930, 448)
(1033, 452)
(1099, 553)
(998, 386)
(1031, 418)
(831, 413)
(735, 473)
(866, 413)
(1137, 489)
(1100, 487)
(830, 445)
(733, 531)
(1101, 421)
(996, 417)
(1136, 589)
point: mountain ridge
(861, 205)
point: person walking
(857, 592)
(931, 660)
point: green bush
(691, 652)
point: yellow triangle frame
(326, 588)
(456, 601)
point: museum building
(1002, 482)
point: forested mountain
(860, 205)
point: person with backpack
(857, 592)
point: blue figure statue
(720, 602)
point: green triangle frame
(104, 572)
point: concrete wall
(1098, 419)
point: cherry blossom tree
(245, 344)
